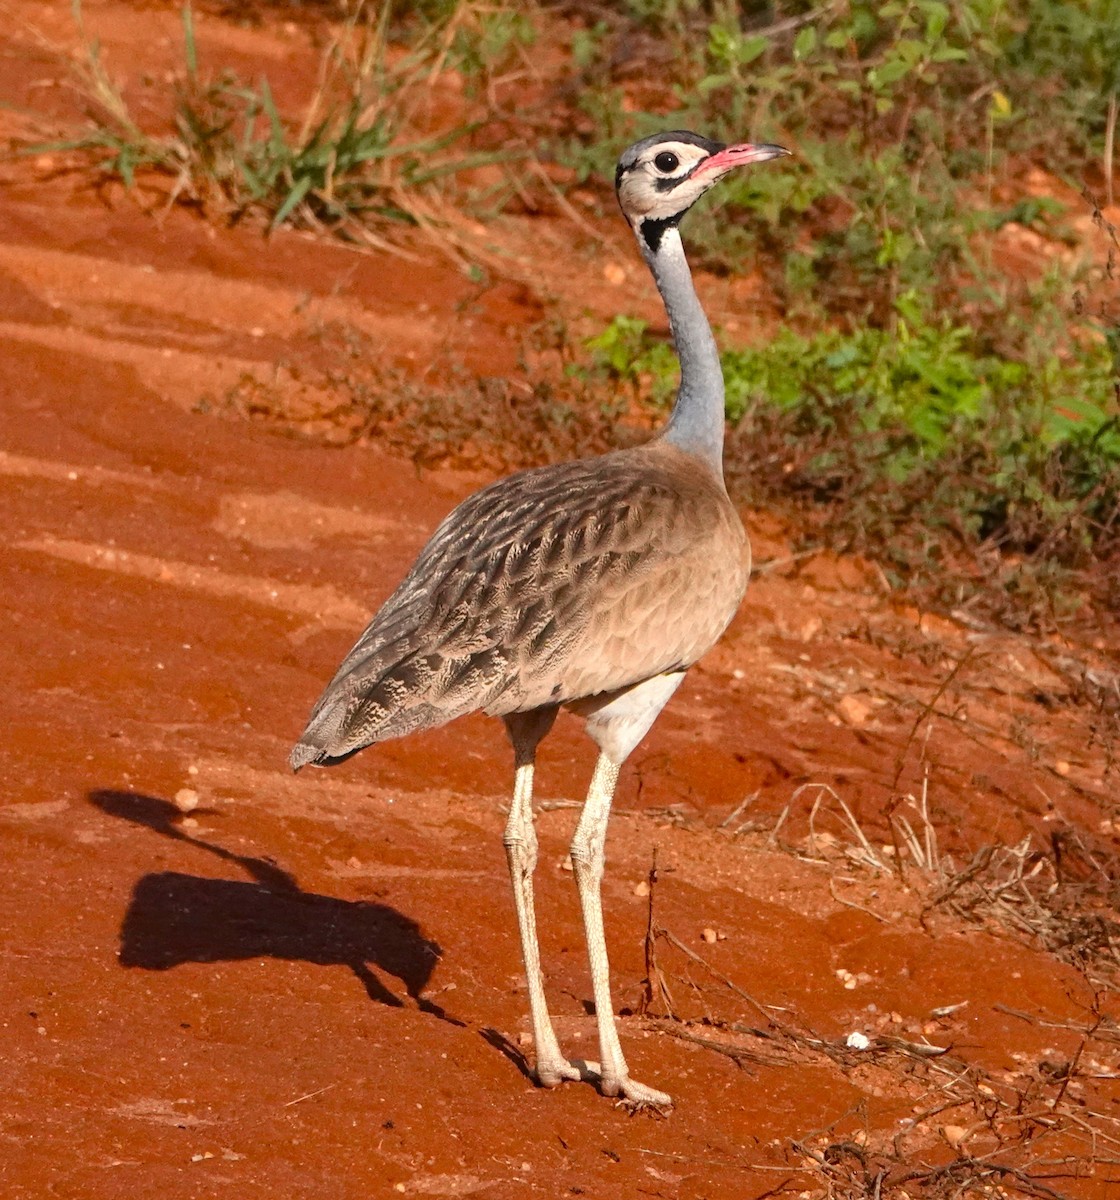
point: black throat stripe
(653, 229)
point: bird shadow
(175, 918)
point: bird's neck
(696, 422)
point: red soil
(311, 987)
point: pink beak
(739, 156)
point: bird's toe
(637, 1096)
(553, 1072)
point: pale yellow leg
(521, 850)
(587, 861)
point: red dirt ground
(311, 987)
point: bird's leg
(520, 840)
(587, 863)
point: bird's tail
(305, 755)
(386, 690)
(324, 739)
(355, 712)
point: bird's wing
(549, 585)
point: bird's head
(660, 178)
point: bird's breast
(659, 608)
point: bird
(591, 585)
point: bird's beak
(739, 156)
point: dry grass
(970, 1132)
(366, 160)
(448, 415)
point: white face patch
(660, 185)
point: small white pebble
(186, 800)
(641, 888)
(857, 1040)
(709, 935)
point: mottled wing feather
(550, 585)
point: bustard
(592, 585)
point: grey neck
(696, 422)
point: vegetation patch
(358, 160)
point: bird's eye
(666, 161)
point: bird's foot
(633, 1095)
(552, 1071)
